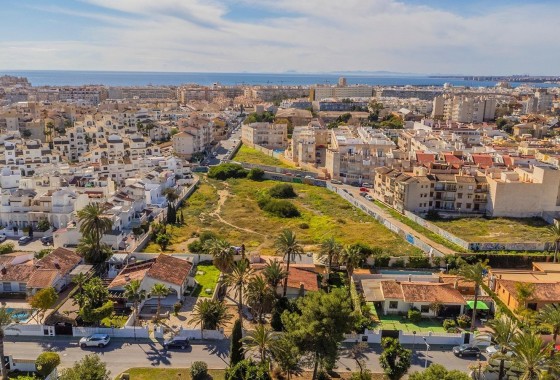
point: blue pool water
(406, 272)
(20, 314)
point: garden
(206, 276)
(398, 322)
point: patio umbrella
(479, 305)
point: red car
(364, 190)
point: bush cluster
(255, 174)
(282, 191)
(199, 370)
(448, 324)
(463, 321)
(278, 207)
(414, 315)
(228, 170)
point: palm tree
(287, 244)
(92, 251)
(550, 315)
(222, 252)
(259, 296)
(238, 279)
(330, 249)
(135, 294)
(210, 315)
(503, 331)
(94, 225)
(532, 357)
(6, 319)
(351, 256)
(274, 274)
(159, 290)
(80, 280)
(473, 273)
(553, 231)
(261, 339)
(171, 195)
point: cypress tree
(236, 349)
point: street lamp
(426, 356)
(413, 339)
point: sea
(133, 78)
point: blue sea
(129, 78)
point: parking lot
(33, 246)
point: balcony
(62, 209)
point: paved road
(355, 192)
(225, 146)
(121, 355)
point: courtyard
(398, 322)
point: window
(7, 286)
(459, 205)
(532, 306)
(469, 196)
(22, 287)
(470, 187)
(459, 195)
(424, 309)
(468, 205)
(393, 304)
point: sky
(478, 37)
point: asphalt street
(121, 355)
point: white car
(491, 350)
(2, 238)
(95, 340)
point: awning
(479, 305)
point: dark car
(355, 184)
(176, 342)
(24, 240)
(47, 240)
(466, 350)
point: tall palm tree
(159, 291)
(503, 331)
(262, 340)
(473, 273)
(287, 244)
(93, 224)
(135, 294)
(351, 256)
(171, 195)
(210, 315)
(238, 280)
(532, 357)
(80, 280)
(274, 274)
(259, 296)
(222, 252)
(331, 250)
(550, 315)
(92, 251)
(553, 231)
(6, 319)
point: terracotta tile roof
(299, 274)
(42, 278)
(452, 159)
(170, 269)
(391, 289)
(61, 259)
(136, 271)
(425, 157)
(544, 291)
(431, 292)
(450, 279)
(483, 160)
(16, 273)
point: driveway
(33, 246)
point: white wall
(125, 332)
(195, 334)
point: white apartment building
(308, 144)
(340, 92)
(464, 109)
(268, 135)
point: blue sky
(418, 36)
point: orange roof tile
(170, 269)
(430, 292)
(42, 278)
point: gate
(390, 334)
(62, 328)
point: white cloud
(319, 35)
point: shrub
(282, 191)
(449, 323)
(225, 171)
(236, 353)
(322, 375)
(196, 246)
(199, 370)
(453, 330)
(304, 226)
(6, 248)
(256, 174)
(278, 207)
(463, 321)
(414, 315)
(366, 375)
(43, 225)
(418, 262)
(248, 370)
(382, 261)
(47, 362)
(399, 263)
(177, 307)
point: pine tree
(236, 349)
(171, 214)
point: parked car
(466, 350)
(95, 340)
(355, 184)
(47, 240)
(2, 238)
(363, 194)
(491, 350)
(308, 177)
(176, 342)
(336, 181)
(367, 185)
(24, 240)
(364, 190)
(369, 197)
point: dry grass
(324, 212)
(499, 230)
(253, 156)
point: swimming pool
(406, 272)
(20, 315)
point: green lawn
(253, 156)
(114, 321)
(207, 280)
(499, 230)
(169, 374)
(396, 322)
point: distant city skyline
(275, 36)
